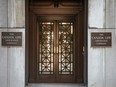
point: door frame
(76, 23)
(85, 41)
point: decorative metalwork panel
(66, 48)
(46, 56)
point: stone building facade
(101, 62)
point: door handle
(55, 49)
(83, 51)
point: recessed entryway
(56, 41)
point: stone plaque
(11, 38)
(101, 39)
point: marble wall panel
(16, 13)
(3, 13)
(16, 62)
(96, 13)
(3, 63)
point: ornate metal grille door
(55, 44)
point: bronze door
(57, 46)
(55, 51)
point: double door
(55, 53)
(55, 43)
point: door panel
(45, 52)
(65, 45)
(66, 69)
(46, 48)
